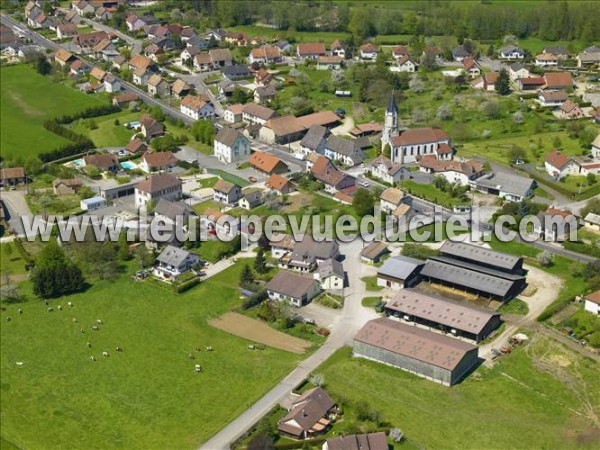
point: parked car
(252, 179)
(364, 183)
(341, 112)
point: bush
(186, 285)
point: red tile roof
(557, 159)
(416, 136)
(307, 49)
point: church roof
(392, 105)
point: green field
(27, 100)
(526, 401)
(148, 396)
(326, 37)
(107, 134)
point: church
(408, 144)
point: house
(570, 110)
(307, 253)
(251, 198)
(373, 252)
(66, 30)
(558, 51)
(551, 223)
(236, 72)
(231, 146)
(531, 83)
(263, 77)
(158, 86)
(78, 68)
(97, 73)
(284, 46)
(294, 288)
(399, 272)
(592, 302)
(511, 52)
(264, 94)
(267, 54)
(136, 146)
(592, 221)
(558, 80)
(173, 212)
(508, 186)
(173, 262)
(103, 14)
(344, 150)
(284, 244)
(390, 199)
(151, 128)
(11, 176)
(449, 317)
(92, 204)
(518, 70)
(426, 354)
(461, 172)
(471, 268)
(314, 140)
(329, 62)
(546, 60)
(333, 179)
(558, 164)
(267, 163)
(83, 8)
(404, 64)
(153, 52)
(588, 57)
(180, 88)
(371, 441)
(280, 184)
(471, 67)
(338, 49)
(104, 162)
(233, 113)
(123, 99)
(281, 130)
(368, 52)
(400, 51)
(157, 161)
(459, 53)
(140, 62)
(66, 186)
(220, 57)
(552, 98)
(111, 83)
(197, 108)
(157, 31)
(141, 76)
(310, 415)
(596, 146)
(257, 114)
(157, 186)
(226, 192)
(410, 144)
(134, 23)
(86, 42)
(331, 274)
(385, 170)
(189, 54)
(489, 81)
(310, 50)
(63, 57)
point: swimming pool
(78, 162)
(128, 165)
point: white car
(299, 156)
(364, 183)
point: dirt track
(257, 331)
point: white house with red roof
(558, 164)
(592, 302)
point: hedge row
(187, 285)
(79, 143)
(93, 111)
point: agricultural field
(27, 100)
(540, 396)
(146, 396)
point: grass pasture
(107, 134)
(530, 399)
(27, 100)
(148, 396)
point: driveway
(345, 127)
(16, 207)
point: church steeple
(390, 125)
(392, 109)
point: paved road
(353, 317)
(16, 207)
(135, 44)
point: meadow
(528, 400)
(107, 133)
(146, 396)
(27, 100)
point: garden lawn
(148, 396)
(11, 262)
(532, 410)
(431, 193)
(108, 134)
(27, 100)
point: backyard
(27, 100)
(146, 396)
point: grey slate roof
(311, 248)
(476, 253)
(400, 267)
(228, 136)
(512, 184)
(340, 145)
(313, 138)
(459, 52)
(331, 267)
(374, 250)
(173, 256)
(442, 311)
(173, 209)
(291, 284)
(253, 197)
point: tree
(396, 435)
(416, 85)
(157, 113)
(490, 51)
(591, 178)
(144, 257)
(418, 251)
(317, 379)
(363, 202)
(545, 258)
(444, 112)
(42, 66)
(518, 117)
(246, 277)
(387, 151)
(516, 153)
(54, 273)
(124, 253)
(260, 264)
(491, 109)
(503, 83)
